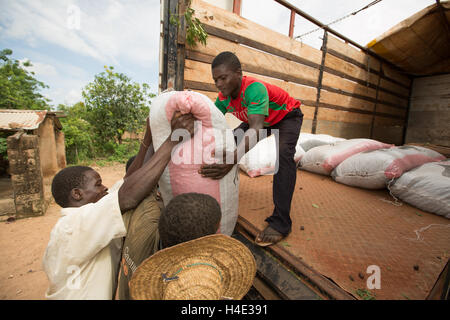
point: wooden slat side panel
(306, 126)
(345, 101)
(260, 62)
(224, 20)
(352, 52)
(391, 86)
(349, 86)
(201, 72)
(345, 130)
(392, 134)
(387, 122)
(350, 69)
(367, 62)
(393, 74)
(391, 110)
(198, 71)
(308, 112)
(210, 94)
(343, 116)
(397, 101)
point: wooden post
(165, 31)
(174, 46)
(291, 24)
(319, 83)
(405, 123)
(181, 46)
(376, 101)
(237, 7)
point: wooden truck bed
(339, 231)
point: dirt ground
(22, 246)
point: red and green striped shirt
(258, 97)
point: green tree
(78, 135)
(115, 105)
(18, 87)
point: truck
(346, 243)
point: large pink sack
(181, 174)
(323, 159)
(377, 169)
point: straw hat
(209, 268)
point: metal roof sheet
(11, 119)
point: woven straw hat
(209, 268)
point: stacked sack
(310, 140)
(375, 169)
(260, 160)
(181, 175)
(323, 159)
(426, 187)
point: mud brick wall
(26, 176)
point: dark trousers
(284, 180)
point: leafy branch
(194, 28)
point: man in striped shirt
(260, 105)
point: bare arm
(256, 122)
(218, 171)
(143, 149)
(141, 182)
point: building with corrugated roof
(36, 152)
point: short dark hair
(66, 180)
(188, 216)
(228, 58)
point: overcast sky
(66, 52)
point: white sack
(374, 169)
(324, 159)
(260, 160)
(181, 174)
(310, 140)
(426, 187)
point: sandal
(268, 232)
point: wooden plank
(201, 72)
(388, 134)
(357, 57)
(350, 69)
(353, 53)
(345, 101)
(391, 110)
(343, 129)
(259, 62)
(387, 122)
(308, 112)
(343, 116)
(306, 126)
(391, 86)
(252, 32)
(210, 94)
(197, 71)
(344, 86)
(397, 101)
(333, 81)
(393, 74)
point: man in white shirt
(77, 260)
